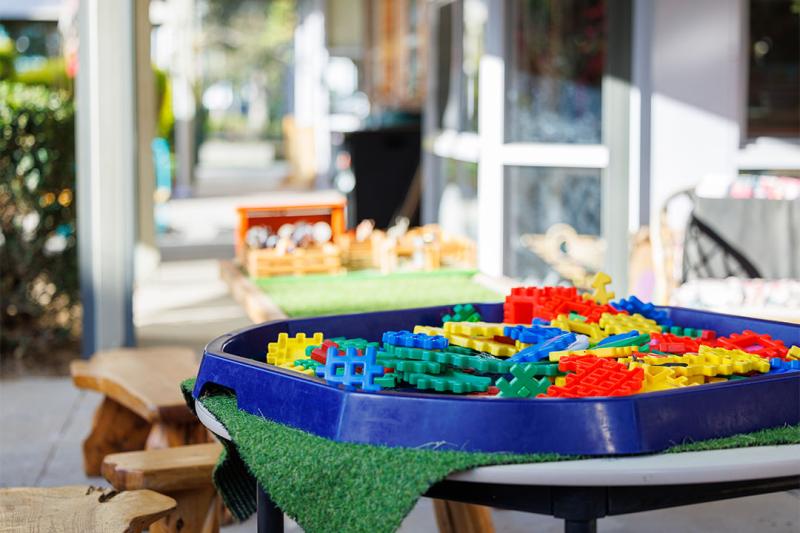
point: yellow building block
(741, 361)
(620, 323)
(793, 353)
(599, 283)
(498, 349)
(521, 345)
(613, 352)
(710, 362)
(658, 378)
(474, 329)
(591, 330)
(302, 370)
(289, 349)
(430, 330)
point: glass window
(553, 224)
(774, 84)
(555, 71)
(458, 205)
(475, 15)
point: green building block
(450, 381)
(409, 365)
(640, 341)
(523, 384)
(463, 313)
(389, 381)
(463, 350)
(307, 363)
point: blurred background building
(658, 141)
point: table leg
(270, 517)
(580, 526)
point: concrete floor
(185, 303)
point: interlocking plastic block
(523, 384)
(409, 365)
(526, 303)
(352, 370)
(307, 363)
(287, 349)
(479, 363)
(614, 324)
(531, 334)
(599, 283)
(450, 381)
(793, 353)
(474, 329)
(429, 330)
(308, 371)
(540, 351)
(495, 348)
(320, 353)
(634, 305)
(667, 342)
(780, 366)
(591, 330)
(752, 342)
(602, 378)
(581, 343)
(658, 378)
(414, 340)
(702, 334)
(613, 352)
(631, 338)
(389, 381)
(709, 362)
(576, 363)
(462, 350)
(356, 342)
(492, 391)
(462, 313)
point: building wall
(697, 93)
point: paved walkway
(185, 303)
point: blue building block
(618, 337)
(541, 351)
(342, 369)
(779, 366)
(531, 334)
(635, 305)
(581, 343)
(406, 339)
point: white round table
(583, 490)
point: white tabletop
(737, 464)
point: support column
(107, 167)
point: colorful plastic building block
(619, 323)
(600, 378)
(541, 351)
(479, 363)
(702, 334)
(667, 342)
(599, 282)
(523, 384)
(613, 352)
(658, 378)
(474, 329)
(352, 370)
(409, 365)
(591, 330)
(793, 354)
(309, 371)
(493, 347)
(287, 349)
(450, 381)
(320, 353)
(780, 366)
(752, 342)
(634, 305)
(429, 330)
(462, 313)
(414, 340)
(631, 338)
(531, 334)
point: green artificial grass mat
(335, 486)
(365, 291)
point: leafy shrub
(39, 287)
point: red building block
(600, 378)
(320, 353)
(667, 342)
(752, 342)
(526, 303)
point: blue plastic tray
(589, 426)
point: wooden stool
(143, 405)
(184, 473)
(458, 517)
(81, 509)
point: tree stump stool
(143, 405)
(183, 473)
(79, 509)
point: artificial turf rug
(365, 291)
(333, 486)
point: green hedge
(39, 288)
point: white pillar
(106, 182)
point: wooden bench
(79, 509)
(183, 473)
(143, 406)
